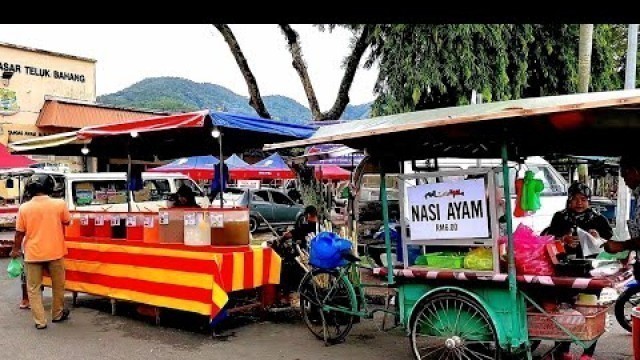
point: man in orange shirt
(40, 224)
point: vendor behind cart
(564, 224)
(578, 214)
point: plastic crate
(586, 326)
(441, 260)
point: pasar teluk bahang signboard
(451, 210)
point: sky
(126, 54)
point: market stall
(453, 307)
(184, 258)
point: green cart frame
(486, 317)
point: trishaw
(461, 313)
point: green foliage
(177, 94)
(430, 66)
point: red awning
(158, 123)
(8, 160)
(332, 172)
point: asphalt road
(93, 333)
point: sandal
(24, 306)
(41, 327)
(63, 317)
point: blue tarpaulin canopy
(179, 135)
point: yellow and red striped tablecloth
(194, 279)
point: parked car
(266, 205)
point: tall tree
(430, 66)
(584, 57)
(361, 40)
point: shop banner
(451, 210)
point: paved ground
(92, 333)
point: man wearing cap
(630, 172)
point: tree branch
(301, 68)
(351, 66)
(255, 100)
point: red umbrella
(332, 172)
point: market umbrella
(272, 167)
(196, 167)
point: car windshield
(232, 195)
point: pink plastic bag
(530, 252)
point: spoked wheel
(324, 288)
(629, 299)
(452, 326)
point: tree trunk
(584, 57)
(255, 100)
(351, 66)
(301, 68)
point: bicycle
(330, 302)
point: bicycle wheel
(452, 326)
(629, 299)
(324, 288)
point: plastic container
(151, 232)
(118, 226)
(102, 228)
(635, 328)
(442, 260)
(197, 230)
(73, 229)
(135, 227)
(171, 226)
(87, 225)
(229, 226)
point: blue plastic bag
(325, 250)
(15, 268)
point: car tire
(253, 224)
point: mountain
(178, 94)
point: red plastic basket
(586, 326)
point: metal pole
(513, 290)
(221, 173)
(623, 193)
(129, 180)
(385, 218)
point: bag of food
(479, 259)
(530, 252)
(15, 268)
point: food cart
(194, 260)
(461, 313)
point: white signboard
(249, 184)
(451, 210)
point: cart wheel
(322, 287)
(629, 299)
(452, 325)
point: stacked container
(151, 232)
(135, 227)
(102, 226)
(171, 226)
(73, 229)
(118, 226)
(229, 226)
(197, 231)
(87, 225)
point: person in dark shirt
(291, 272)
(184, 198)
(578, 214)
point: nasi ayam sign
(452, 210)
